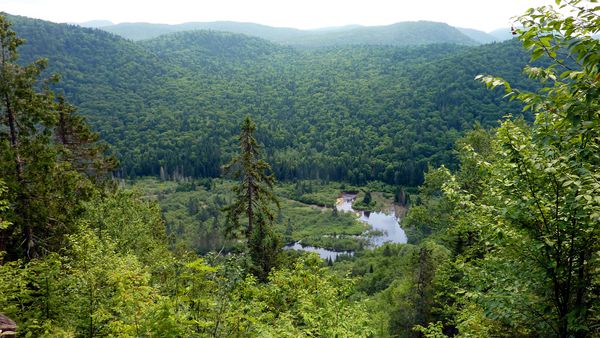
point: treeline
(355, 114)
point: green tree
(302, 299)
(47, 156)
(542, 206)
(21, 114)
(253, 199)
(109, 279)
(367, 199)
(44, 192)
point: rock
(8, 328)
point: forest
(175, 102)
(149, 190)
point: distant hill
(400, 34)
(354, 113)
(479, 36)
(144, 31)
(97, 67)
(502, 33)
(95, 23)
(336, 28)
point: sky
(484, 15)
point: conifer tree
(367, 199)
(23, 137)
(253, 199)
(44, 193)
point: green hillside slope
(342, 113)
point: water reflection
(387, 226)
(323, 253)
(386, 223)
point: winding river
(385, 224)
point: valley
(233, 179)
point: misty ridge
(402, 33)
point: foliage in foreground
(522, 215)
(119, 280)
(512, 249)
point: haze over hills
(402, 33)
(502, 33)
(352, 113)
(144, 31)
(480, 36)
(94, 23)
(399, 34)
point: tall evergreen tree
(24, 134)
(44, 193)
(253, 199)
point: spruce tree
(23, 138)
(253, 199)
(367, 199)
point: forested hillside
(342, 113)
(399, 34)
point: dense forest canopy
(352, 113)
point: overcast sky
(485, 15)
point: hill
(399, 34)
(480, 36)
(502, 34)
(144, 31)
(97, 68)
(94, 23)
(354, 113)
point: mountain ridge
(401, 33)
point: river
(386, 225)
